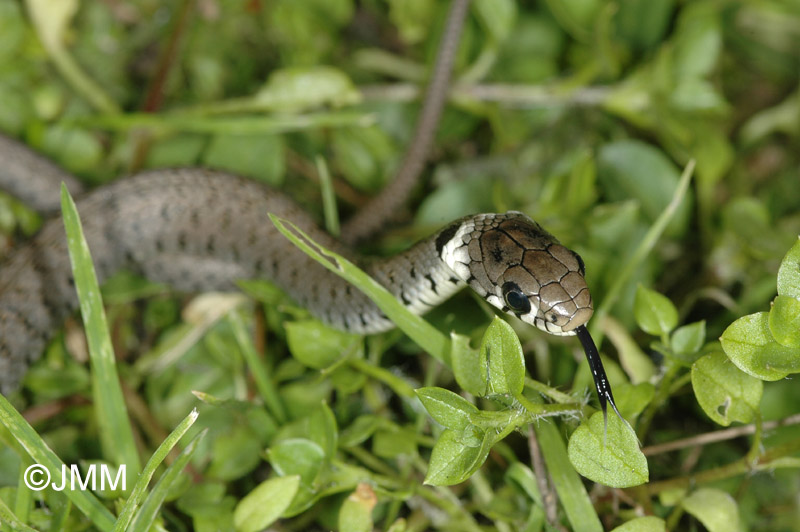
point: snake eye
(515, 298)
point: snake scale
(201, 230)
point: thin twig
(717, 436)
(374, 215)
(504, 93)
(540, 470)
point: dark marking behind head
(446, 236)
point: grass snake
(201, 230)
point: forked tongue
(599, 375)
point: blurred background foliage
(581, 113)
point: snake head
(520, 268)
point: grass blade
(41, 454)
(112, 416)
(641, 251)
(150, 467)
(568, 484)
(265, 385)
(420, 331)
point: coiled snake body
(201, 230)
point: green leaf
(300, 457)
(322, 430)
(789, 273)
(654, 313)
(649, 523)
(454, 459)
(256, 155)
(469, 365)
(714, 508)
(235, 453)
(632, 169)
(525, 478)
(642, 23)
(355, 515)
(748, 342)
(638, 365)
(361, 154)
(412, 18)
(316, 345)
(617, 463)
(498, 16)
(299, 88)
(688, 339)
(394, 442)
(503, 354)
(265, 504)
(447, 408)
(725, 392)
(360, 430)
(297, 456)
(784, 321)
(698, 41)
(633, 398)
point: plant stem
(738, 467)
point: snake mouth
(578, 319)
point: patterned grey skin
(518, 267)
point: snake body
(201, 230)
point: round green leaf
(297, 456)
(688, 339)
(632, 398)
(789, 273)
(453, 460)
(748, 342)
(469, 367)
(265, 504)
(614, 459)
(503, 354)
(316, 345)
(447, 408)
(784, 321)
(648, 523)
(725, 392)
(654, 313)
(714, 508)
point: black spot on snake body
(429, 277)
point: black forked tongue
(598, 373)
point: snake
(202, 230)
